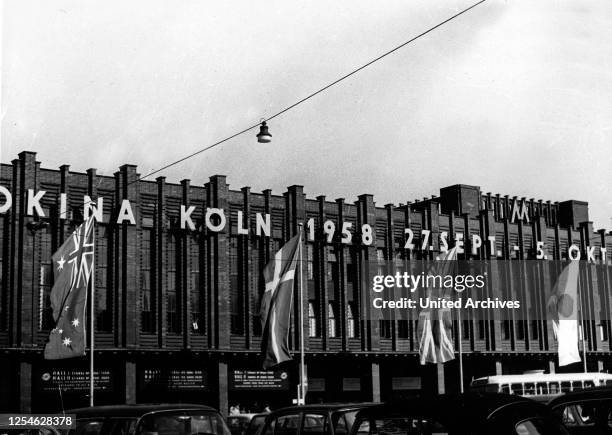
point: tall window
(312, 321)
(236, 293)
(350, 321)
(256, 265)
(103, 312)
(384, 325)
(196, 290)
(403, 329)
(331, 320)
(2, 292)
(309, 263)
(147, 316)
(172, 298)
(45, 313)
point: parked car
(585, 412)
(238, 423)
(324, 419)
(256, 422)
(43, 430)
(158, 419)
(465, 414)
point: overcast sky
(515, 96)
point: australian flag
(73, 266)
(276, 303)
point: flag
(562, 308)
(276, 303)
(434, 329)
(73, 268)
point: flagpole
(302, 395)
(581, 317)
(91, 320)
(460, 332)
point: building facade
(178, 279)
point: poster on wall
(174, 379)
(258, 380)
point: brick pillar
(25, 387)
(367, 215)
(499, 370)
(342, 301)
(390, 254)
(295, 213)
(320, 248)
(130, 382)
(184, 266)
(158, 284)
(440, 378)
(24, 282)
(375, 382)
(218, 265)
(223, 388)
(127, 271)
(551, 366)
(245, 263)
(487, 228)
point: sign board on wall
(406, 383)
(174, 379)
(76, 380)
(316, 384)
(351, 384)
(258, 380)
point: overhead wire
(308, 97)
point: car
(43, 430)
(149, 419)
(461, 414)
(323, 419)
(256, 422)
(238, 423)
(585, 412)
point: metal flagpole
(302, 392)
(460, 332)
(92, 278)
(580, 323)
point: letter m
(519, 212)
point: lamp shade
(264, 135)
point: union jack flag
(434, 327)
(73, 267)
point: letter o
(219, 212)
(573, 248)
(9, 200)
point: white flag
(563, 306)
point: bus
(539, 385)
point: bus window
(517, 389)
(577, 385)
(566, 387)
(529, 389)
(589, 384)
(553, 388)
(505, 388)
(541, 388)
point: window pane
(314, 424)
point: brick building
(178, 278)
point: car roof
(478, 406)
(325, 407)
(135, 410)
(596, 393)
